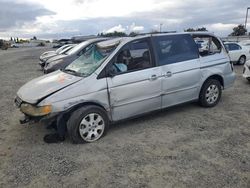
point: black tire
(203, 99)
(77, 116)
(248, 79)
(242, 60)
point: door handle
(153, 77)
(168, 74)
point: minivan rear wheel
(87, 124)
(210, 93)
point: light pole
(160, 26)
(246, 18)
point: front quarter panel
(87, 90)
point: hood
(50, 54)
(41, 87)
(57, 57)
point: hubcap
(91, 127)
(212, 94)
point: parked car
(49, 54)
(238, 53)
(107, 83)
(246, 70)
(245, 43)
(64, 59)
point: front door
(135, 87)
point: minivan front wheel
(87, 124)
(210, 93)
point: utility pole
(246, 18)
(160, 26)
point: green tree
(201, 29)
(189, 30)
(198, 29)
(239, 30)
(114, 34)
(133, 34)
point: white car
(246, 70)
(245, 43)
(238, 54)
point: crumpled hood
(40, 87)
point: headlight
(35, 110)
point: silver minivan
(126, 77)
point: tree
(34, 38)
(113, 34)
(189, 30)
(198, 29)
(17, 40)
(201, 29)
(11, 39)
(133, 34)
(239, 30)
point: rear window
(175, 48)
(232, 47)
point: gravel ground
(184, 146)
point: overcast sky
(65, 18)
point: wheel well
(216, 77)
(69, 111)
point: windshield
(89, 61)
(77, 48)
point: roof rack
(154, 32)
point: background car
(64, 59)
(245, 43)
(238, 54)
(47, 55)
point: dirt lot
(184, 146)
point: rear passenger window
(209, 45)
(175, 48)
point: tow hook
(24, 119)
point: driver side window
(132, 57)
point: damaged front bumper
(32, 113)
(47, 119)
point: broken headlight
(35, 110)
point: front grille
(18, 101)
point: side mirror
(110, 72)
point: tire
(242, 60)
(210, 93)
(82, 129)
(248, 79)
